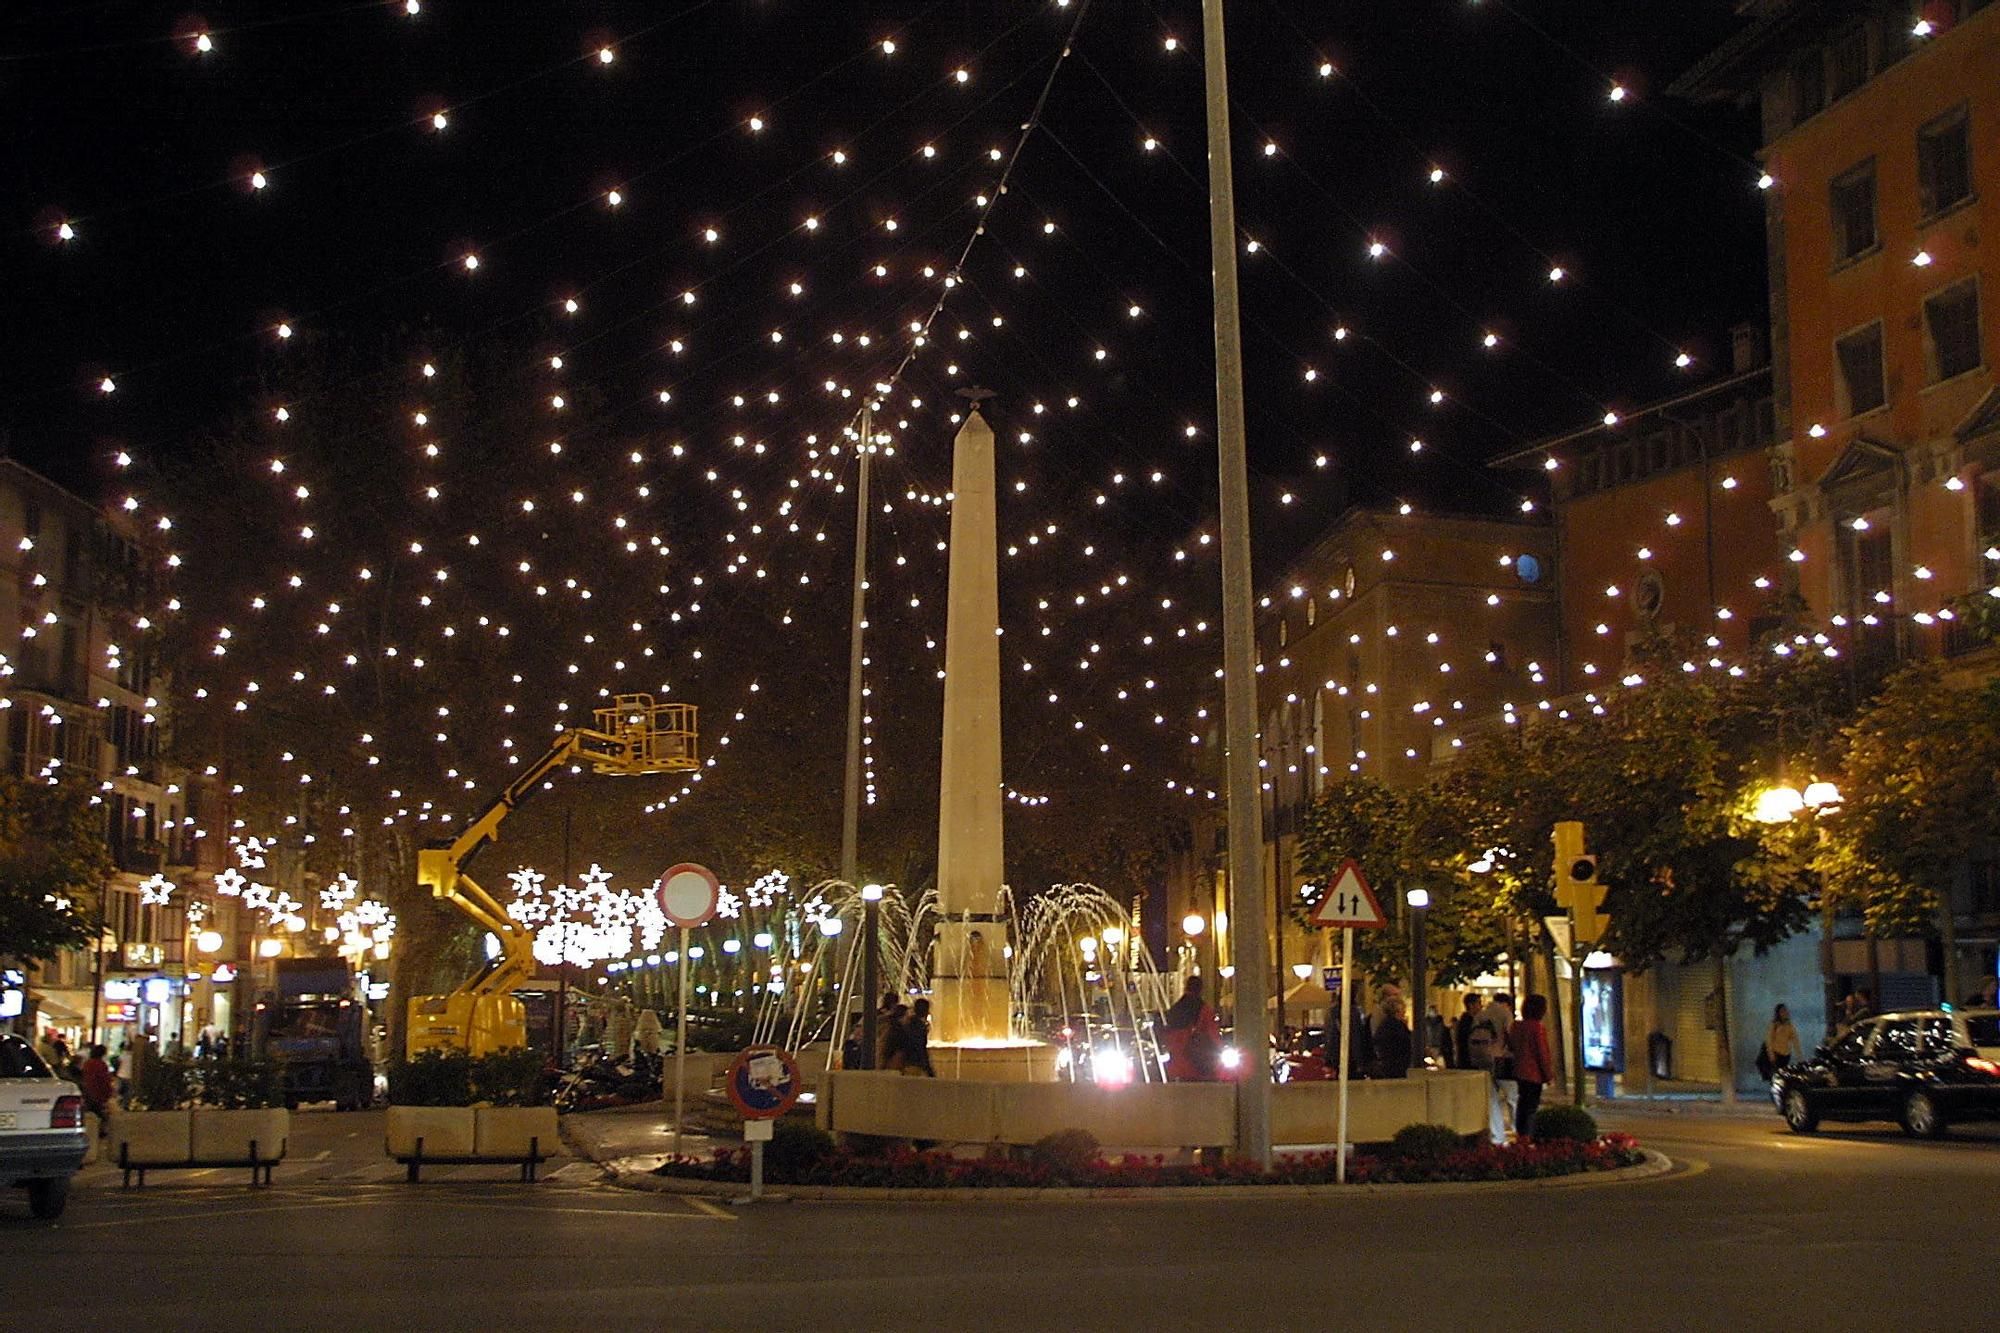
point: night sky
(180, 272)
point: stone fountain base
(1161, 1116)
(995, 1062)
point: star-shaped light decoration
(229, 882)
(337, 895)
(155, 891)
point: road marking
(713, 1210)
(527, 1206)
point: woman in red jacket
(1528, 1043)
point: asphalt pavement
(1849, 1228)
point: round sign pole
(764, 1083)
(681, 1045)
(688, 895)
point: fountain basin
(994, 1061)
(1159, 1116)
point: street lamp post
(871, 964)
(1419, 901)
(1239, 665)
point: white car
(41, 1128)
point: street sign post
(1349, 904)
(763, 1082)
(688, 895)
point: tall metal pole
(850, 810)
(1239, 664)
(561, 1051)
(682, 965)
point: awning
(51, 1007)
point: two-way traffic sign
(1349, 902)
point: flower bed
(904, 1168)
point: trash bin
(1660, 1055)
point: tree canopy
(53, 868)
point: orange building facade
(1882, 151)
(1664, 527)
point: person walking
(889, 1049)
(98, 1088)
(1389, 1040)
(1781, 1042)
(1461, 1034)
(1192, 1037)
(1534, 1064)
(1487, 1045)
(917, 1040)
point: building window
(1860, 357)
(1951, 319)
(1985, 888)
(1284, 632)
(1808, 86)
(1944, 162)
(1848, 60)
(1312, 612)
(1986, 517)
(1854, 212)
(1867, 560)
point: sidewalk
(635, 1139)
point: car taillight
(1983, 1065)
(68, 1113)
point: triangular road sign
(1349, 902)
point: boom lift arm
(634, 735)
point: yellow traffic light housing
(1578, 889)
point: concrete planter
(152, 1138)
(227, 1136)
(513, 1131)
(447, 1131)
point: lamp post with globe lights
(1419, 901)
(871, 966)
(1783, 803)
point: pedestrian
(98, 1088)
(1461, 1035)
(1487, 1045)
(1192, 1037)
(917, 1040)
(45, 1046)
(889, 1049)
(1780, 1042)
(851, 1049)
(1390, 1040)
(65, 1058)
(1528, 1043)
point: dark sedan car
(1924, 1069)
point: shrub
(1565, 1122)
(246, 1084)
(432, 1078)
(1067, 1152)
(517, 1077)
(1425, 1143)
(796, 1147)
(165, 1083)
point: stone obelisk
(970, 997)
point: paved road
(1842, 1230)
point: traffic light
(1577, 885)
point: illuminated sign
(121, 990)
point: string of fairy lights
(870, 317)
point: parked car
(41, 1128)
(1924, 1069)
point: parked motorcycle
(600, 1081)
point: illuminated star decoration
(155, 891)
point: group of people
(1514, 1050)
(101, 1084)
(902, 1038)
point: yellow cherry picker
(633, 735)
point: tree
(1923, 762)
(53, 868)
